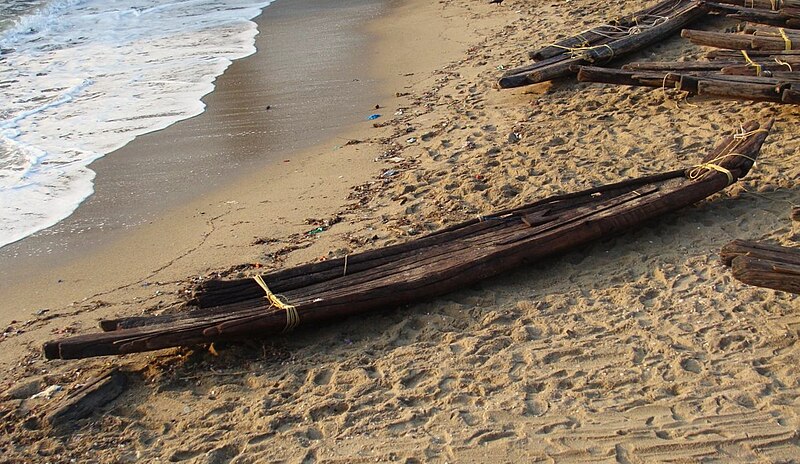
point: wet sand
(311, 72)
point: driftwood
(440, 263)
(764, 265)
(81, 403)
(600, 45)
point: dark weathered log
(764, 30)
(537, 74)
(215, 292)
(764, 42)
(681, 66)
(781, 18)
(762, 4)
(622, 77)
(690, 83)
(791, 96)
(738, 90)
(677, 14)
(766, 54)
(86, 400)
(769, 274)
(759, 250)
(645, 38)
(598, 34)
(719, 39)
(529, 234)
(764, 69)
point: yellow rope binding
(751, 62)
(786, 40)
(712, 165)
(292, 317)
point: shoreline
(232, 138)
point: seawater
(81, 78)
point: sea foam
(81, 78)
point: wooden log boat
(600, 46)
(461, 255)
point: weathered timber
(86, 400)
(791, 96)
(763, 4)
(796, 213)
(764, 264)
(739, 90)
(767, 54)
(675, 15)
(645, 38)
(765, 69)
(681, 66)
(539, 74)
(623, 77)
(690, 83)
(768, 274)
(472, 252)
(759, 250)
(719, 39)
(598, 34)
(785, 17)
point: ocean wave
(85, 77)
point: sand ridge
(640, 348)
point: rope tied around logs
(612, 32)
(750, 62)
(786, 40)
(745, 134)
(712, 165)
(784, 63)
(292, 316)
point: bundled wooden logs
(605, 42)
(784, 40)
(763, 264)
(780, 88)
(461, 255)
(777, 13)
(757, 75)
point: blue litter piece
(373, 116)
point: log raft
(606, 42)
(315, 294)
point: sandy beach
(639, 348)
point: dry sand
(640, 348)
